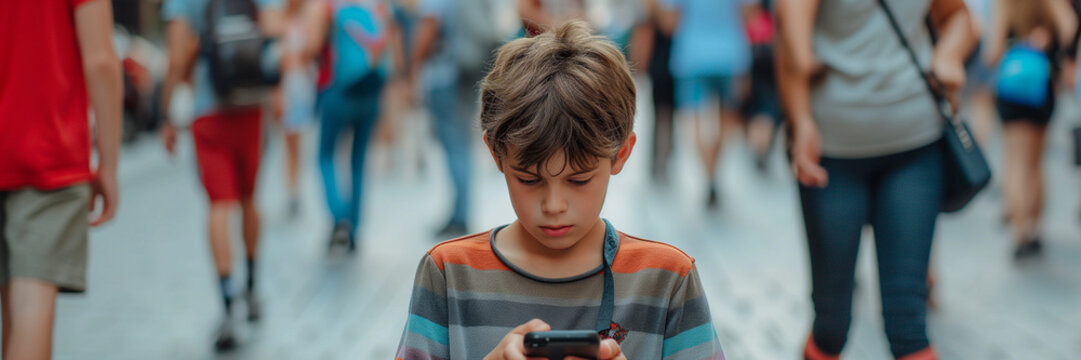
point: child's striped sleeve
(425, 334)
(689, 332)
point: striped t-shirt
(466, 298)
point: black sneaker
(352, 246)
(341, 235)
(1029, 249)
(452, 230)
(225, 340)
(761, 164)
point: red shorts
(227, 146)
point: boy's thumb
(609, 349)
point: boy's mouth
(556, 231)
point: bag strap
(611, 247)
(955, 121)
(912, 56)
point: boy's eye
(528, 181)
(581, 182)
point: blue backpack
(359, 35)
(1024, 76)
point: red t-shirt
(44, 131)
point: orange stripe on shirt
(636, 254)
(474, 251)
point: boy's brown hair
(565, 89)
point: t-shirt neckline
(608, 231)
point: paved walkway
(153, 293)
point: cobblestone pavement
(153, 293)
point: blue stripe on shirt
(421, 326)
(692, 337)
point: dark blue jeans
(452, 109)
(900, 196)
(344, 112)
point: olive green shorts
(43, 235)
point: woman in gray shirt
(866, 149)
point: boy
(556, 113)
(56, 60)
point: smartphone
(556, 345)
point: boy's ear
(624, 153)
(491, 151)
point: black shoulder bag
(966, 171)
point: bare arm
(94, 29)
(424, 38)
(996, 39)
(795, 59)
(1065, 21)
(957, 34)
(641, 46)
(397, 49)
(183, 47)
(957, 37)
(796, 67)
(317, 23)
(272, 22)
(668, 19)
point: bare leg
(709, 139)
(983, 114)
(251, 226)
(219, 236)
(760, 133)
(1021, 140)
(1035, 173)
(662, 140)
(32, 305)
(292, 162)
(5, 315)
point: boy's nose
(554, 202)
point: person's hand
(168, 137)
(103, 186)
(512, 347)
(949, 76)
(806, 153)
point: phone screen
(561, 343)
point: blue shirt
(194, 12)
(710, 39)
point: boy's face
(556, 203)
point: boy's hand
(512, 347)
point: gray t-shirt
(872, 100)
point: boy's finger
(532, 325)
